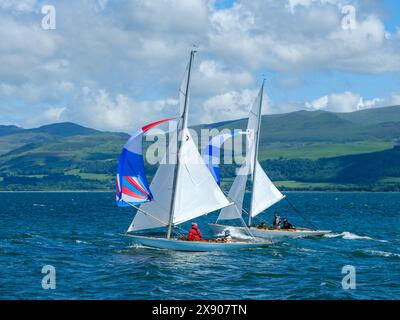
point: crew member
(194, 233)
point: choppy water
(79, 234)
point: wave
(81, 241)
(140, 246)
(383, 253)
(350, 236)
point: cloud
(222, 107)
(50, 115)
(394, 99)
(308, 36)
(17, 5)
(343, 102)
(130, 57)
(100, 109)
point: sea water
(79, 234)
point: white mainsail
(264, 192)
(182, 190)
(197, 192)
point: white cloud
(18, 5)
(50, 115)
(343, 102)
(131, 54)
(394, 99)
(222, 107)
(101, 110)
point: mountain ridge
(300, 148)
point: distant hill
(64, 129)
(5, 130)
(301, 150)
(14, 137)
(373, 116)
(314, 126)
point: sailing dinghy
(264, 193)
(182, 189)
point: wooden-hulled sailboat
(264, 194)
(182, 189)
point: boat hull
(194, 246)
(269, 234)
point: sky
(117, 65)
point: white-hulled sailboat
(264, 194)
(182, 189)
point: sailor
(194, 233)
(287, 224)
(227, 236)
(277, 221)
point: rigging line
(300, 213)
(148, 214)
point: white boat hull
(182, 245)
(269, 234)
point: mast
(256, 140)
(180, 139)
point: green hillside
(372, 116)
(301, 151)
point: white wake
(351, 236)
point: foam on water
(350, 236)
(383, 253)
(81, 241)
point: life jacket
(194, 235)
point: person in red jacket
(194, 233)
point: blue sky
(392, 7)
(116, 65)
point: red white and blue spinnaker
(131, 182)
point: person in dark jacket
(195, 233)
(277, 221)
(287, 224)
